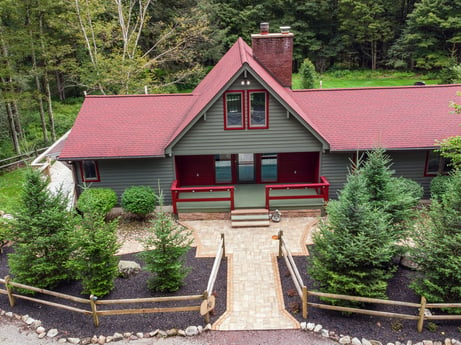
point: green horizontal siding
(119, 174)
(285, 134)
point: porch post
(174, 196)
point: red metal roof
(392, 118)
(347, 119)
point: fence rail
(207, 193)
(205, 307)
(22, 158)
(321, 190)
(303, 292)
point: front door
(245, 168)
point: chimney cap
(264, 28)
(285, 29)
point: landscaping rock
(356, 341)
(345, 340)
(191, 331)
(52, 333)
(128, 268)
(365, 342)
(73, 340)
(318, 328)
(117, 337)
(325, 333)
(310, 326)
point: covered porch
(189, 199)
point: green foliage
(352, 252)
(93, 259)
(164, 256)
(439, 185)
(5, 232)
(450, 148)
(139, 200)
(308, 74)
(10, 189)
(437, 249)
(97, 200)
(397, 197)
(41, 235)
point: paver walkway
(255, 300)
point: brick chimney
(275, 52)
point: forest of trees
(54, 50)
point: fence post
(304, 298)
(9, 290)
(93, 300)
(280, 243)
(223, 247)
(207, 315)
(422, 309)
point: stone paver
(255, 300)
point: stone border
(36, 325)
(347, 340)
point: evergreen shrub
(164, 254)
(308, 74)
(99, 200)
(439, 186)
(139, 200)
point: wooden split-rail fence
(205, 307)
(304, 294)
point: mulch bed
(356, 325)
(78, 325)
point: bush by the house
(40, 231)
(165, 248)
(100, 200)
(353, 249)
(5, 229)
(139, 200)
(93, 260)
(437, 250)
(439, 186)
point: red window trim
(82, 173)
(242, 99)
(248, 113)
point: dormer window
(233, 110)
(246, 109)
(258, 109)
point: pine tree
(353, 250)
(166, 246)
(438, 248)
(396, 196)
(93, 259)
(41, 235)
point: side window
(436, 165)
(89, 171)
(233, 110)
(258, 109)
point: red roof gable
(392, 118)
(344, 119)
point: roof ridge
(242, 50)
(141, 95)
(377, 88)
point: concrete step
(248, 218)
(251, 224)
(250, 211)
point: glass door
(246, 168)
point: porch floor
(248, 196)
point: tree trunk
(12, 128)
(374, 55)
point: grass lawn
(366, 78)
(10, 189)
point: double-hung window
(89, 171)
(233, 110)
(246, 109)
(257, 114)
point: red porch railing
(175, 194)
(321, 190)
